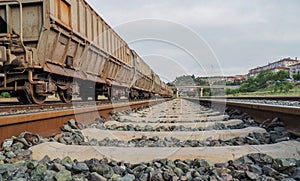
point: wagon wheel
(22, 97)
(34, 98)
(65, 95)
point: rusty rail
(260, 112)
(14, 107)
(49, 123)
(278, 98)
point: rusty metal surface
(14, 107)
(260, 112)
(66, 37)
(49, 123)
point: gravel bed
(99, 124)
(149, 128)
(275, 133)
(16, 163)
(251, 139)
(271, 102)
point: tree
(231, 91)
(281, 75)
(296, 77)
(249, 85)
(283, 86)
(201, 81)
(264, 78)
(171, 84)
(189, 80)
(184, 80)
(193, 77)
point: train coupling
(8, 58)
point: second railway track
(262, 113)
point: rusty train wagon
(166, 90)
(156, 89)
(142, 82)
(65, 47)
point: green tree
(284, 86)
(296, 76)
(281, 75)
(184, 80)
(249, 85)
(201, 81)
(231, 91)
(171, 84)
(193, 77)
(207, 92)
(264, 78)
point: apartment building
(283, 64)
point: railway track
(262, 113)
(8, 108)
(174, 140)
(14, 107)
(46, 120)
(279, 98)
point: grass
(269, 92)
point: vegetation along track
(174, 140)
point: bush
(5, 95)
(284, 86)
(296, 77)
(249, 85)
(232, 91)
(267, 79)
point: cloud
(242, 34)
(211, 13)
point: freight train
(65, 47)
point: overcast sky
(210, 37)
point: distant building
(221, 80)
(283, 64)
(215, 80)
(235, 80)
(294, 69)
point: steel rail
(14, 107)
(49, 123)
(260, 112)
(279, 98)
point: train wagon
(156, 88)
(142, 81)
(166, 91)
(65, 47)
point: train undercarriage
(34, 86)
